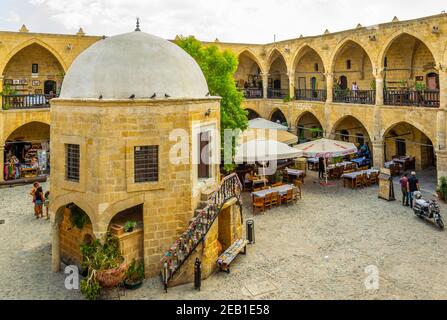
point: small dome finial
(138, 25)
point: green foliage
(135, 272)
(78, 218)
(338, 159)
(98, 256)
(316, 133)
(219, 68)
(372, 85)
(7, 91)
(129, 226)
(287, 99)
(420, 86)
(279, 176)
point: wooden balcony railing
(27, 101)
(423, 98)
(252, 93)
(355, 97)
(277, 93)
(310, 95)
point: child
(47, 203)
(39, 202)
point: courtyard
(317, 249)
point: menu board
(386, 187)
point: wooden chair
(275, 199)
(268, 201)
(278, 184)
(288, 197)
(373, 178)
(257, 189)
(296, 194)
(264, 187)
(258, 203)
(298, 185)
(349, 171)
(359, 181)
(285, 176)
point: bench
(226, 258)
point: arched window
(344, 135)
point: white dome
(134, 63)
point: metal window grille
(146, 164)
(72, 156)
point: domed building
(133, 117)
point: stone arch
(413, 142)
(278, 75)
(247, 51)
(77, 199)
(304, 130)
(25, 44)
(271, 57)
(339, 121)
(396, 35)
(389, 126)
(278, 114)
(20, 126)
(301, 51)
(252, 114)
(338, 49)
(119, 206)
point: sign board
(386, 187)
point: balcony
(422, 98)
(26, 101)
(310, 95)
(277, 93)
(252, 93)
(355, 97)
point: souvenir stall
(26, 159)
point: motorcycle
(427, 209)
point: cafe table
(350, 177)
(282, 190)
(296, 173)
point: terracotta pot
(111, 277)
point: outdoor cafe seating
(270, 197)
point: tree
(219, 68)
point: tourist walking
(404, 187)
(413, 186)
(39, 202)
(321, 168)
(33, 195)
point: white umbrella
(269, 134)
(326, 148)
(260, 123)
(264, 151)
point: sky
(243, 21)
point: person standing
(33, 195)
(404, 187)
(321, 168)
(39, 202)
(413, 186)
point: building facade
(383, 85)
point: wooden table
(296, 173)
(353, 175)
(282, 190)
(226, 258)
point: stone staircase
(207, 211)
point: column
(265, 84)
(378, 153)
(330, 87)
(441, 127)
(2, 162)
(441, 163)
(379, 91)
(56, 220)
(291, 86)
(443, 88)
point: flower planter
(133, 286)
(111, 277)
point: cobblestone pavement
(317, 249)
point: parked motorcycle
(427, 209)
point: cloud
(235, 21)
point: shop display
(25, 159)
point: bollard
(197, 274)
(251, 231)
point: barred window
(72, 156)
(145, 164)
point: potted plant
(441, 189)
(105, 265)
(129, 226)
(134, 275)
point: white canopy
(264, 150)
(269, 134)
(326, 148)
(260, 123)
